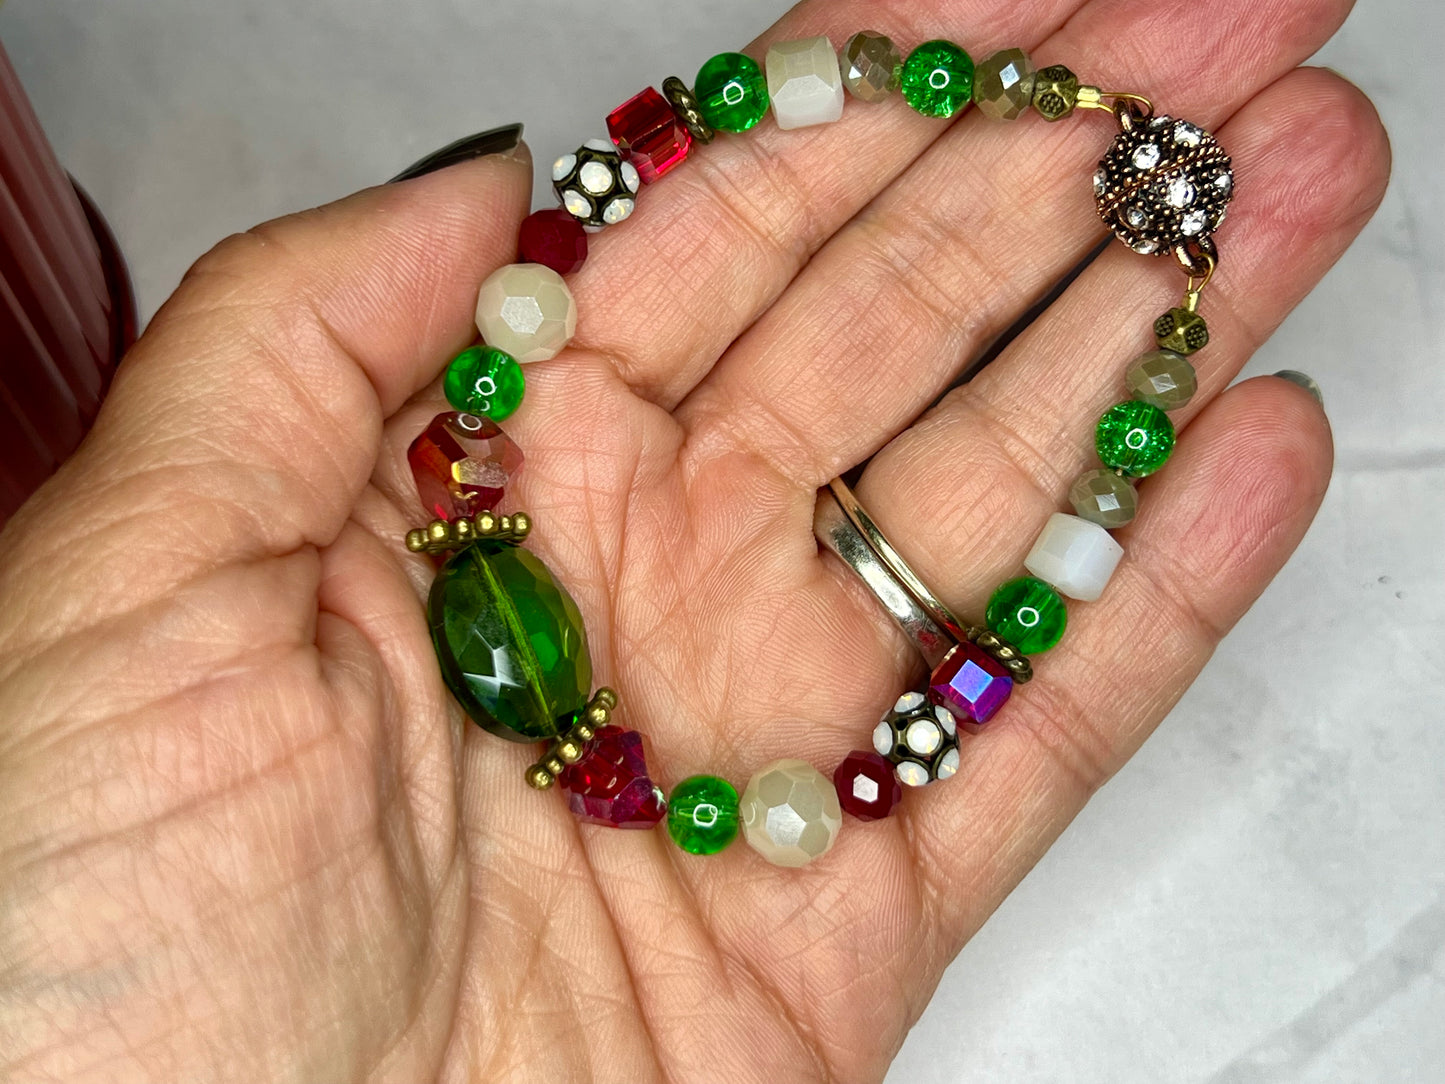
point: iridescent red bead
(610, 784)
(970, 683)
(554, 239)
(648, 131)
(461, 464)
(867, 786)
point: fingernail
(496, 141)
(1304, 380)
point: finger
(246, 420)
(1003, 450)
(980, 228)
(717, 240)
(1212, 532)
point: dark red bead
(867, 786)
(554, 239)
(646, 129)
(461, 464)
(610, 784)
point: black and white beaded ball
(596, 185)
(920, 739)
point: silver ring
(941, 616)
(839, 533)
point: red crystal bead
(461, 464)
(553, 238)
(610, 784)
(646, 129)
(971, 684)
(867, 786)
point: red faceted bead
(462, 464)
(971, 684)
(649, 133)
(867, 786)
(553, 238)
(610, 784)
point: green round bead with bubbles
(484, 380)
(1135, 438)
(702, 814)
(937, 79)
(731, 92)
(1028, 613)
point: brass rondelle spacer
(553, 764)
(438, 530)
(569, 751)
(606, 696)
(539, 778)
(598, 714)
(416, 539)
(583, 732)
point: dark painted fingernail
(496, 141)
(1304, 380)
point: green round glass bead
(484, 380)
(937, 79)
(1135, 438)
(1028, 613)
(509, 640)
(732, 92)
(702, 814)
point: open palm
(244, 832)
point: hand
(245, 833)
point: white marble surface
(1260, 896)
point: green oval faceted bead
(510, 641)
(1028, 613)
(1135, 438)
(937, 79)
(732, 92)
(702, 814)
(484, 380)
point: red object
(971, 684)
(461, 464)
(554, 239)
(649, 134)
(610, 784)
(66, 309)
(867, 786)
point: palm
(254, 838)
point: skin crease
(245, 834)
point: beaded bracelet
(509, 639)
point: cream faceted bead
(1075, 556)
(790, 813)
(804, 82)
(526, 310)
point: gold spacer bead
(553, 764)
(486, 523)
(606, 696)
(521, 525)
(416, 539)
(462, 529)
(504, 525)
(539, 778)
(582, 732)
(439, 530)
(569, 751)
(598, 714)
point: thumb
(246, 420)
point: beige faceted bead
(1103, 497)
(1163, 379)
(790, 813)
(870, 64)
(526, 310)
(1003, 85)
(804, 84)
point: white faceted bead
(1075, 556)
(804, 82)
(526, 310)
(790, 813)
